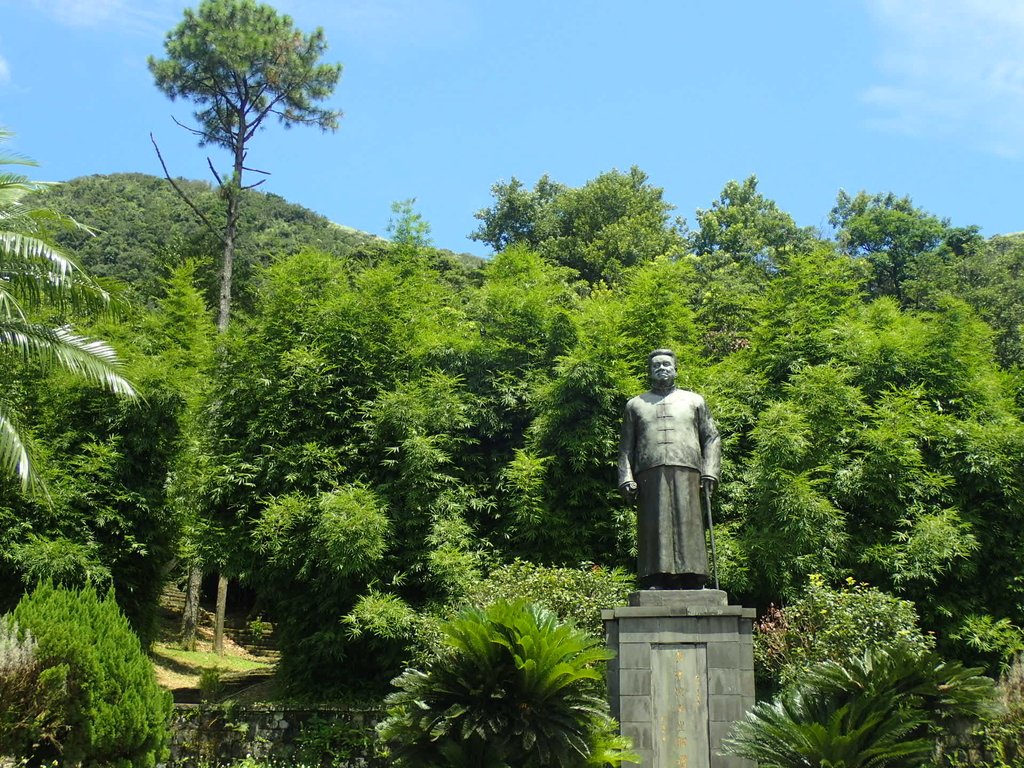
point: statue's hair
(656, 352)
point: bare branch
(255, 170)
(181, 193)
(253, 186)
(213, 170)
(190, 129)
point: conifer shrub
(87, 693)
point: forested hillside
(383, 426)
(141, 229)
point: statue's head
(661, 365)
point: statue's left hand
(628, 491)
(709, 484)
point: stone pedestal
(682, 676)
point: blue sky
(444, 97)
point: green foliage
(511, 687)
(873, 451)
(37, 277)
(141, 232)
(242, 62)
(30, 694)
(577, 424)
(996, 640)
(862, 439)
(96, 700)
(799, 730)
(799, 308)
(827, 624)
(744, 227)
(352, 530)
(104, 462)
(997, 740)
(612, 222)
(576, 595)
(518, 216)
(341, 396)
(211, 687)
(330, 743)
(380, 423)
(331, 545)
(656, 303)
(988, 277)
(742, 243)
(385, 616)
(525, 311)
(902, 243)
(887, 707)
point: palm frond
(13, 158)
(876, 710)
(14, 453)
(35, 273)
(94, 360)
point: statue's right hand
(628, 491)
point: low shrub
(89, 695)
(827, 624)
(29, 694)
(337, 742)
(572, 594)
(211, 687)
(511, 686)
(890, 707)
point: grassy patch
(197, 661)
(178, 668)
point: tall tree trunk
(222, 604)
(233, 192)
(190, 614)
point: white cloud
(5, 71)
(133, 15)
(954, 68)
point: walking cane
(706, 487)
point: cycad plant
(512, 686)
(885, 708)
(36, 275)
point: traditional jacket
(673, 429)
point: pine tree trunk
(222, 604)
(233, 193)
(190, 614)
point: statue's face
(663, 369)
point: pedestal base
(682, 676)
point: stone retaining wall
(208, 735)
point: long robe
(668, 442)
(670, 526)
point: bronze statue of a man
(669, 450)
